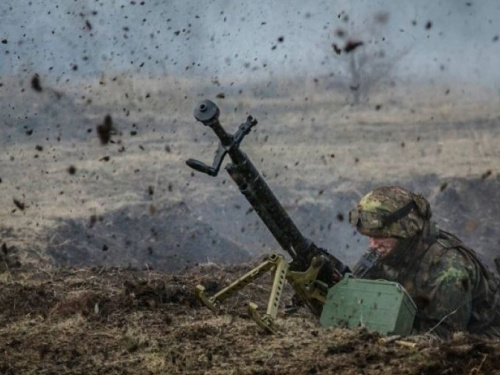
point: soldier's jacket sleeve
(445, 292)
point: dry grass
(302, 146)
(62, 334)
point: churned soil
(125, 321)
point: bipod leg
(279, 277)
(213, 302)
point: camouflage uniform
(453, 291)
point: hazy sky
(427, 38)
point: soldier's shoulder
(447, 244)
(445, 256)
(448, 240)
(448, 261)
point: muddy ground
(116, 321)
(105, 233)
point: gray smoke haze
(96, 119)
(438, 40)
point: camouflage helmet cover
(391, 211)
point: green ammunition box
(379, 305)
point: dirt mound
(171, 236)
(117, 321)
(163, 237)
(470, 208)
(467, 207)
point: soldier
(452, 289)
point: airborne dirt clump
(125, 321)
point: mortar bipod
(304, 284)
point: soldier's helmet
(391, 211)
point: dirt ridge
(125, 321)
